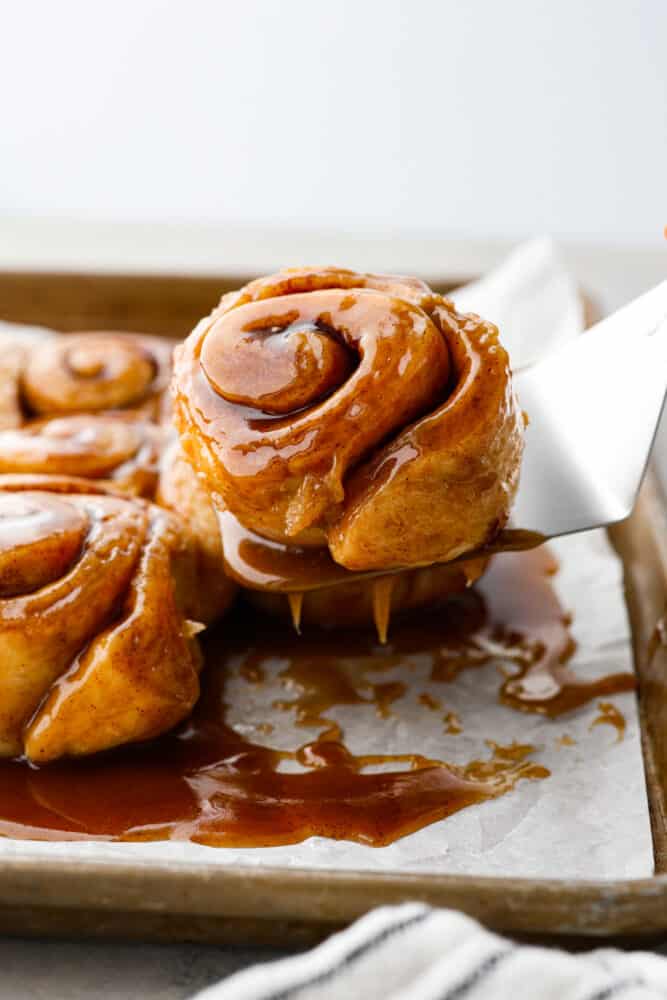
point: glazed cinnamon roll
(122, 449)
(69, 374)
(354, 418)
(96, 644)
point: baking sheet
(589, 819)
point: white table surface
(72, 970)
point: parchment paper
(589, 819)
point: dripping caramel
(382, 591)
(260, 563)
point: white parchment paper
(589, 819)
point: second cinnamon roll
(66, 374)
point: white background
(477, 118)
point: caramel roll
(122, 448)
(92, 372)
(180, 491)
(354, 413)
(95, 648)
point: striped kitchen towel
(413, 952)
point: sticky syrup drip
(296, 604)
(382, 591)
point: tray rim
(213, 902)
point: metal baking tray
(207, 902)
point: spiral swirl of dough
(91, 372)
(357, 412)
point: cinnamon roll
(123, 449)
(96, 644)
(68, 374)
(347, 422)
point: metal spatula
(593, 409)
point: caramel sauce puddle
(527, 628)
(211, 783)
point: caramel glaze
(525, 618)
(260, 563)
(610, 716)
(208, 783)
